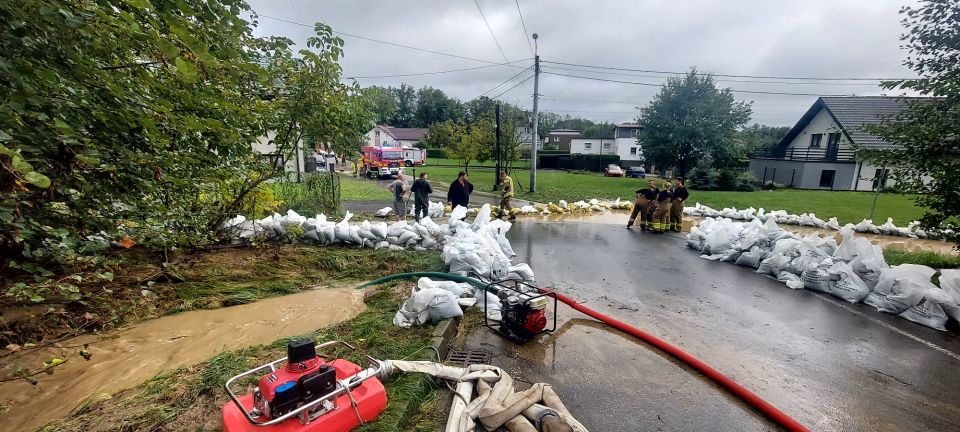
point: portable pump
(523, 310)
(307, 393)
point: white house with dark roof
(820, 151)
(388, 136)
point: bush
(746, 182)
(436, 153)
(702, 178)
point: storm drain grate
(469, 357)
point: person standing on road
(460, 190)
(398, 189)
(680, 196)
(506, 192)
(641, 206)
(661, 217)
(421, 196)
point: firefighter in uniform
(642, 205)
(680, 196)
(661, 217)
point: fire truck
(381, 161)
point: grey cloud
(753, 37)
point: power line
(718, 80)
(495, 41)
(660, 85)
(514, 86)
(501, 84)
(387, 42)
(729, 75)
(438, 72)
(526, 34)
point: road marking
(888, 326)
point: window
(633, 151)
(587, 146)
(833, 139)
(880, 178)
(556, 139)
(815, 140)
(826, 178)
(606, 146)
(626, 132)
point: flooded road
(831, 365)
(137, 353)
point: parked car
(613, 171)
(636, 172)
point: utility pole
(533, 144)
(496, 180)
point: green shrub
(436, 153)
(746, 182)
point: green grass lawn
(847, 207)
(353, 189)
(448, 161)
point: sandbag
(774, 264)
(791, 280)
(430, 304)
(900, 287)
(847, 285)
(950, 283)
(752, 258)
(815, 276)
(929, 311)
(384, 212)
(458, 289)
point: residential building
(821, 150)
(303, 162)
(560, 138)
(606, 146)
(626, 144)
(387, 136)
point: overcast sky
(809, 38)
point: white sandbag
(752, 258)
(458, 213)
(397, 228)
(815, 276)
(431, 304)
(407, 236)
(848, 247)
(355, 235)
(366, 231)
(866, 226)
(292, 219)
(847, 285)
(900, 287)
(791, 280)
(379, 230)
(774, 264)
(458, 289)
(428, 242)
(490, 302)
(312, 236)
(482, 218)
(929, 311)
(950, 283)
(521, 271)
(381, 245)
(833, 224)
(396, 248)
(384, 212)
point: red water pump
(307, 394)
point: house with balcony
(820, 151)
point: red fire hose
(738, 390)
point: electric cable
(660, 85)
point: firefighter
(661, 217)
(680, 196)
(654, 192)
(641, 206)
(506, 193)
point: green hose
(438, 275)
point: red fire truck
(381, 161)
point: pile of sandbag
(782, 217)
(855, 270)
(480, 249)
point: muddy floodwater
(137, 353)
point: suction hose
(732, 386)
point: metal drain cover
(469, 357)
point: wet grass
(190, 398)
(929, 259)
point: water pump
(307, 394)
(523, 310)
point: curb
(443, 334)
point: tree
(433, 106)
(689, 118)
(445, 134)
(473, 143)
(406, 106)
(759, 138)
(928, 130)
(382, 102)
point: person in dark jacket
(421, 196)
(641, 206)
(680, 196)
(460, 190)
(661, 217)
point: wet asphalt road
(831, 365)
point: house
(821, 150)
(560, 138)
(293, 166)
(387, 136)
(626, 145)
(623, 143)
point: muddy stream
(130, 356)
